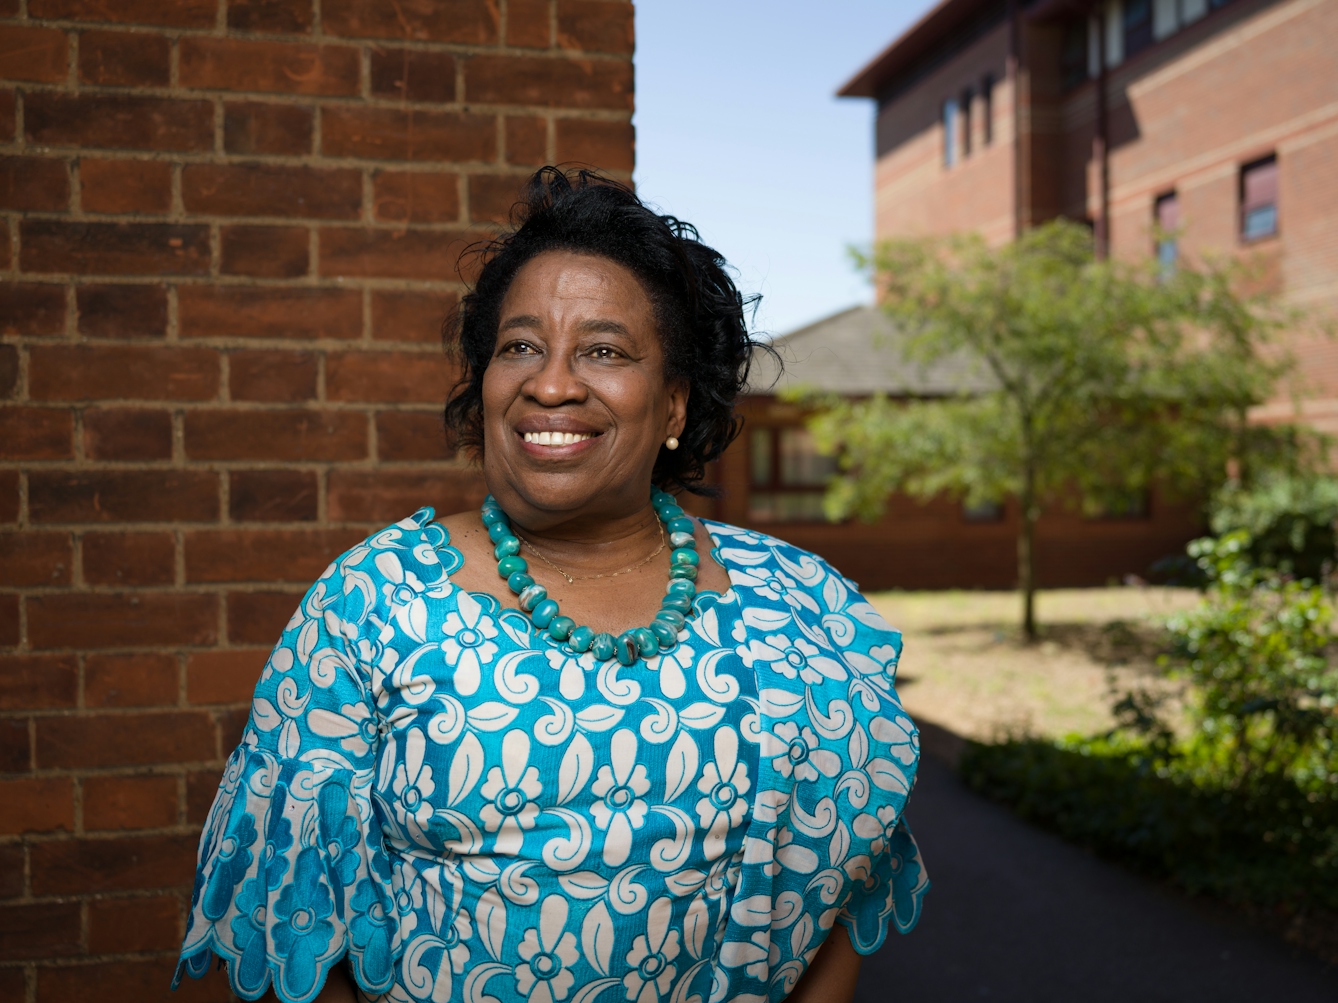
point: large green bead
(646, 642)
(685, 571)
(506, 546)
(581, 638)
(658, 497)
(493, 515)
(508, 566)
(678, 540)
(680, 586)
(531, 597)
(544, 613)
(625, 648)
(602, 646)
(664, 633)
(681, 524)
(683, 556)
(667, 512)
(560, 628)
(499, 531)
(677, 602)
(673, 618)
(519, 582)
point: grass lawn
(964, 666)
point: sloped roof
(857, 352)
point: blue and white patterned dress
(467, 809)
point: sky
(739, 132)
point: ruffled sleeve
(292, 875)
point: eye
(518, 348)
(605, 352)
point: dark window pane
(759, 456)
(1259, 199)
(950, 127)
(987, 108)
(1137, 26)
(801, 465)
(983, 512)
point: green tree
(1098, 380)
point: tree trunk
(1026, 555)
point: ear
(677, 418)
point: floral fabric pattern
(464, 809)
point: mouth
(557, 438)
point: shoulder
(737, 547)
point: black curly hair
(698, 310)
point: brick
(9, 496)
(115, 248)
(391, 377)
(34, 805)
(232, 726)
(143, 679)
(129, 558)
(270, 190)
(271, 496)
(410, 197)
(36, 559)
(276, 377)
(227, 676)
(122, 311)
(255, 127)
(9, 621)
(238, 312)
(469, 21)
(259, 617)
(549, 83)
(608, 146)
(124, 59)
(201, 788)
(411, 316)
(39, 184)
(9, 370)
(83, 866)
(12, 984)
(270, 252)
(87, 372)
(234, 64)
(4, 244)
(413, 75)
(408, 134)
(596, 26)
(35, 54)
(493, 197)
(281, 17)
(529, 24)
(38, 682)
(526, 140)
(128, 926)
(14, 758)
(170, 13)
(130, 982)
(11, 868)
(8, 119)
(265, 555)
(39, 930)
(118, 121)
(94, 741)
(276, 435)
(123, 496)
(398, 254)
(127, 434)
(388, 495)
(145, 802)
(412, 435)
(29, 433)
(125, 185)
(30, 309)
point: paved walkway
(1015, 914)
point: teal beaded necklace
(627, 647)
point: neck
(595, 545)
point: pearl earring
(671, 443)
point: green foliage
(1290, 520)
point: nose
(556, 383)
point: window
(966, 101)
(1073, 59)
(788, 475)
(950, 126)
(1259, 199)
(987, 109)
(1137, 26)
(990, 511)
(1122, 505)
(1166, 216)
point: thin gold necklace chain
(589, 578)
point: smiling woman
(665, 762)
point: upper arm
(832, 976)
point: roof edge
(935, 23)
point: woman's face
(575, 402)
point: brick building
(1175, 127)
(229, 234)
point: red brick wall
(228, 238)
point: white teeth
(555, 438)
